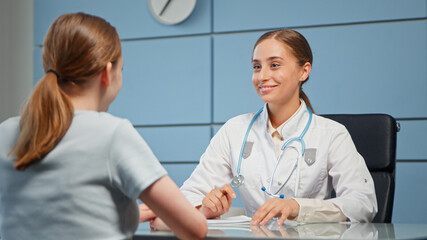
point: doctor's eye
(256, 67)
(275, 65)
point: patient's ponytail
(77, 48)
(45, 120)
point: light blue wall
(182, 82)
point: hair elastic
(54, 72)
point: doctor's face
(276, 73)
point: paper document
(242, 219)
(241, 222)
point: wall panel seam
(411, 160)
(269, 29)
(263, 30)
(180, 162)
(212, 124)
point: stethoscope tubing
(275, 168)
(242, 149)
(284, 146)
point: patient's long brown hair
(77, 47)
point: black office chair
(375, 138)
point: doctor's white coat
(337, 165)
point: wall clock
(171, 11)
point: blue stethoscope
(238, 180)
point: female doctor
(284, 160)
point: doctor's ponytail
(300, 48)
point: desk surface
(304, 231)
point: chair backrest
(375, 138)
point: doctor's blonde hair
(76, 48)
(300, 49)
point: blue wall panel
(177, 144)
(411, 193)
(240, 15)
(166, 81)
(234, 93)
(179, 172)
(131, 18)
(215, 129)
(368, 68)
(38, 64)
(411, 143)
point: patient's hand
(158, 225)
(145, 213)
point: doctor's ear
(106, 75)
(306, 69)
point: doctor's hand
(218, 201)
(145, 213)
(276, 207)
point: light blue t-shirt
(85, 188)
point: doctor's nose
(264, 74)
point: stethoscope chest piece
(237, 181)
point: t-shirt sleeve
(132, 165)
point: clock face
(171, 11)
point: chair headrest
(374, 136)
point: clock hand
(164, 7)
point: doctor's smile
(266, 88)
